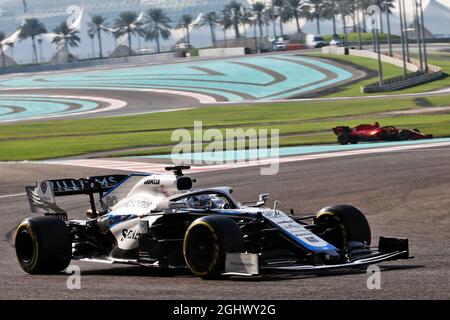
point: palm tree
(357, 6)
(342, 9)
(157, 26)
(96, 26)
(186, 22)
(31, 29)
(41, 59)
(65, 37)
(329, 12)
(283, 12)
(271, 17)
(268, 19)
(127, 23)
(2, 38)
(92, 36)
(211, 20)
(317, 13)
(388, 5)
(297, 9)
(364, 4)
(234, 10)
(258, 9)
(246, 19)
(226, 23)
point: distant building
(412, 33)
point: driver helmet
(217, 203)
(199, 201)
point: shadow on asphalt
(137, 271)
(324, 274)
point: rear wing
(42, 196)
(342, 129)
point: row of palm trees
(235, 15)
(156, 25)
(261, 15)
(153, 27)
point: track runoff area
(399, 185)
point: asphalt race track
(403, 193)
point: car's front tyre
(343, 224)
(206, 243)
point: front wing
(247, 264)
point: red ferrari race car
(369, 132)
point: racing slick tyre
(343, 224)
(404, 135)
(206, 243)
(343, 138)
(43, 245)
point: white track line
(202, 98)
(12, 195)
(113, 104)
(156, 168)
(384, 96)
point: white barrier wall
(434, 72)
(222, 52)
(162, 57)
(395, 60)
(334, 50)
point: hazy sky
(437, 18)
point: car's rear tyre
(343, 138)
(206, 243)
(43, 245)
(343, 224)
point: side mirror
(264, 198)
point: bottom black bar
(183, 309)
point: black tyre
(43, 245)
(343, 224)
(206, 243)
(404, 135)
(343, 138)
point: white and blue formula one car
(161, 221)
